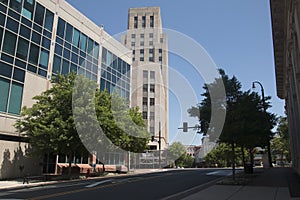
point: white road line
(98, 183)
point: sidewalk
(273, 184)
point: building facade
(286, 41)
(39, 39)
(149, 70)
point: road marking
(98, 183)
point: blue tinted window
(14, 15)
(49, 20)
(5, 70)
(39, 14)
(61, 28)
(73, 68)
(76, 38)
(36, 37)
(20, 63)
(15, 98)
(2, 19)
(83, 42)
(69, 33)
(46, 43)
(67, 54)
(42, 72)
(4, 1)
(31, 68)
(9, 44)
(26, 21)
(44, 58)
(104, 55)
(16, 5)
(22, 49)
(34, 54)
(4, 89)
(25, 32)
(74, 58)
(12, 25)
(58, 49)
(65, 67)
(19, 75)
(90, 47)
(56, 64)
(27, 10)
(7, 58)
(96, 50)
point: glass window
(15, 99)
(20, 63)
(69, 33)
(37, 28)
(6, 70)
(58, 49)
(73, 68)
(44, 58)
(19, 75)
(1, 34)
(109, 58)
(27, 9)
(34, 54)
(135, 21)
(39, 14)
(90, 46)
(104, 55)
(42, 72)
(7, 58)
(31, 68)
(67, 54)
(36, 37)
(151, 21)
(76, 38)
(4, 1)
(4, 89)
(49, 20)
(15, 5)
(83, 42)
(144, 21)
(74, 58)
(25, 32)
(2, 19)
(12, 25)
(96, 50)
(56, 64)
(26, 21)
(22, 49)
(46, 43)
(9, 44)
(65, 67)
(61, 28)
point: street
(146, 186)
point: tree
(246, 123)
(176, 153)
(280, 144)
(74, 116)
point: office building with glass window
(149, 49)
(39, 39)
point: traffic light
(185, 127)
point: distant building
(191, 150)
(206, 147)
(149, 70)
(40, 38)
(286, 42)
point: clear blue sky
(236, 34)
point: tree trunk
(243, 156)
(233, 161)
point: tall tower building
(149, 70)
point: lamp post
(265, 111)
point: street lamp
(265, 111)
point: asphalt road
(147, 186)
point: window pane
(15, 99)
(4, 1)
(46, 43)
(61, 28)
(83, 42)
(36, 37)
(26, 13)
(34, 54)
(5, 70)
(44, 58)
(96, 50)
(2, 19)
(76, 38)
(16, 5)
(4, 88)
(56, 64)
(49, 20)
(25, 32)
(39, 14)
(65, 67)
(69, 33)
(12, 25)
(22, 49)
(9, 44)
(1, 34)
(19, 75)
(90, 47)
(27, 10)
